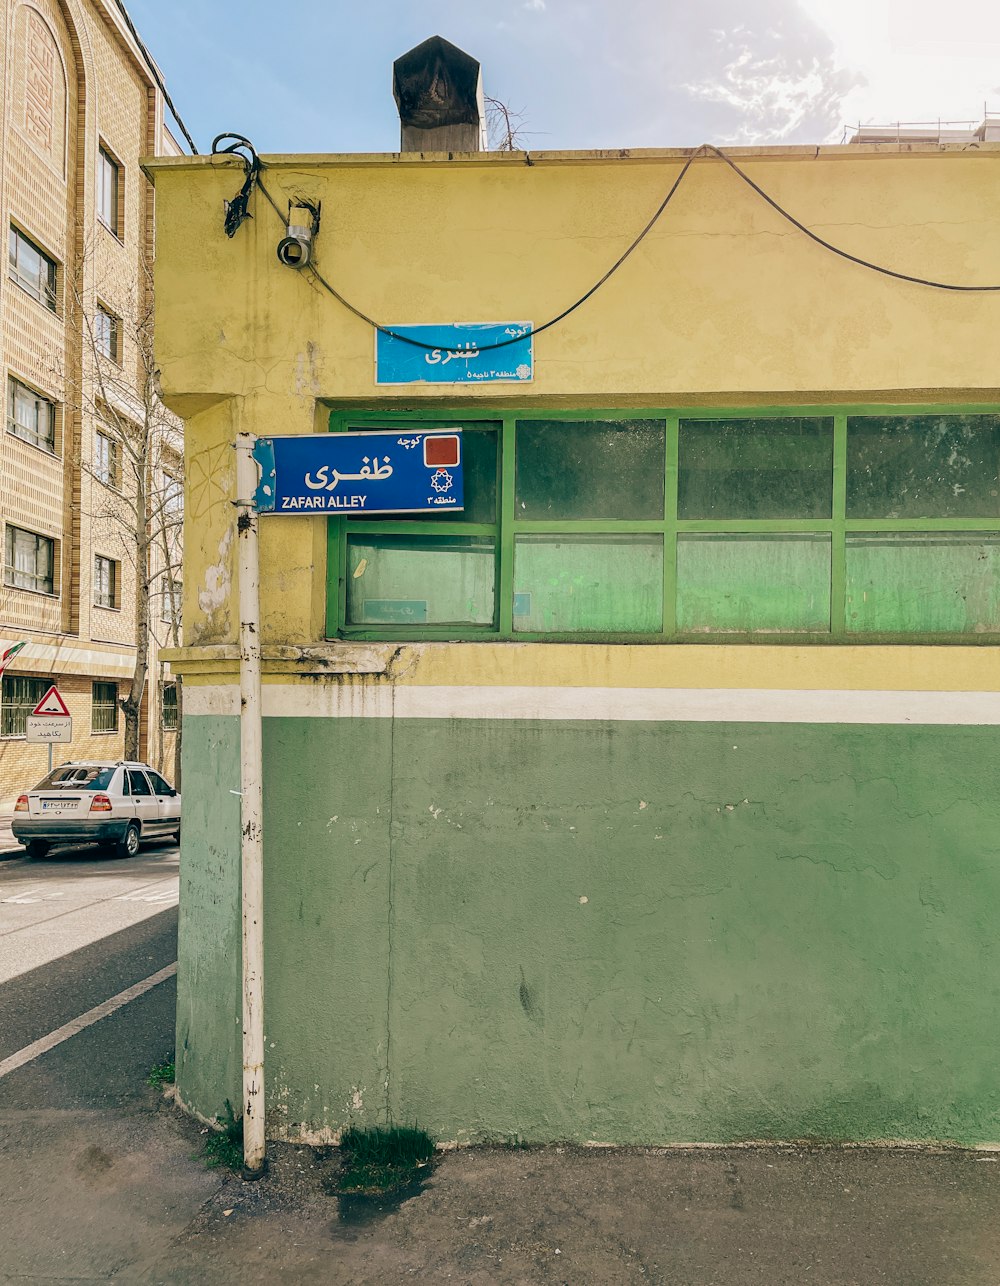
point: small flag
(11, 652)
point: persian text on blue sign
(459, 353)
(385, 472)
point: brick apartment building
(80, 105)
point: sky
(316, 75)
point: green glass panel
(755, 469)
(576, 583)
(479, 465)
(420, 580)
(751, 584)
(923, 583)
(923, 466)
(590, 469)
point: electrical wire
(254, 168)
(119, 5)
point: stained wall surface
(599, 890)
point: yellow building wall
(723, 303)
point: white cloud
(914, 60)
(779, 81)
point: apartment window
(104, 707)
(109, 174)
(106, 463)
(107, 334)
(32, 269)
(18, 697)
(29, 561)
(173, 497)
(105, 582)
(172, 598)
(30, 416)
(168, 705)
(814, 524)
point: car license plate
(58, 805)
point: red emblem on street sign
(441, 450)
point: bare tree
(505, 126)
(132, 452)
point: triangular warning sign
(51, 703)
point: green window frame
(104, 707)
(841, 549)
(18, 697)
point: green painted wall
(787, 930)
(209, 1056)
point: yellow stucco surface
(723, 303)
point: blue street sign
(385, 472)
(397, 362)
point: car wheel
(128, 845)
(177, 835)
(37, 848)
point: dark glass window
(570, 469)
(755, 469)
(923, 466)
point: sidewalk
(94, 1197)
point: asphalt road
(76, 930)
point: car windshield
(77, 777)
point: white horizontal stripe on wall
(698, 705)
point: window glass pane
(77, 777)
(416, 580)
(34, 271)
(18, 697)
(916, 582)
(479, 465)
(591, 469)
(29, 415)
(590, 582)
(107, 190)
(745, 584)
(169, 706)
(28, 560)
(105, 588)
(104, 707)
(755, 469)
(926, 466)
(138, 782)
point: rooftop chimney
(439, 92)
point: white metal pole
(251, 809)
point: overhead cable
(237, 210)
(119, 5)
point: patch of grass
(225, 1146)
(382, 1159)
(162, 1074)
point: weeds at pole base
(382, 1159)
(162, 1074)
(225, 1146)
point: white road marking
(77, 1025)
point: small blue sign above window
(464, 353)
(386, 472)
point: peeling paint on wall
(215, 594)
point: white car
(115, 805)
